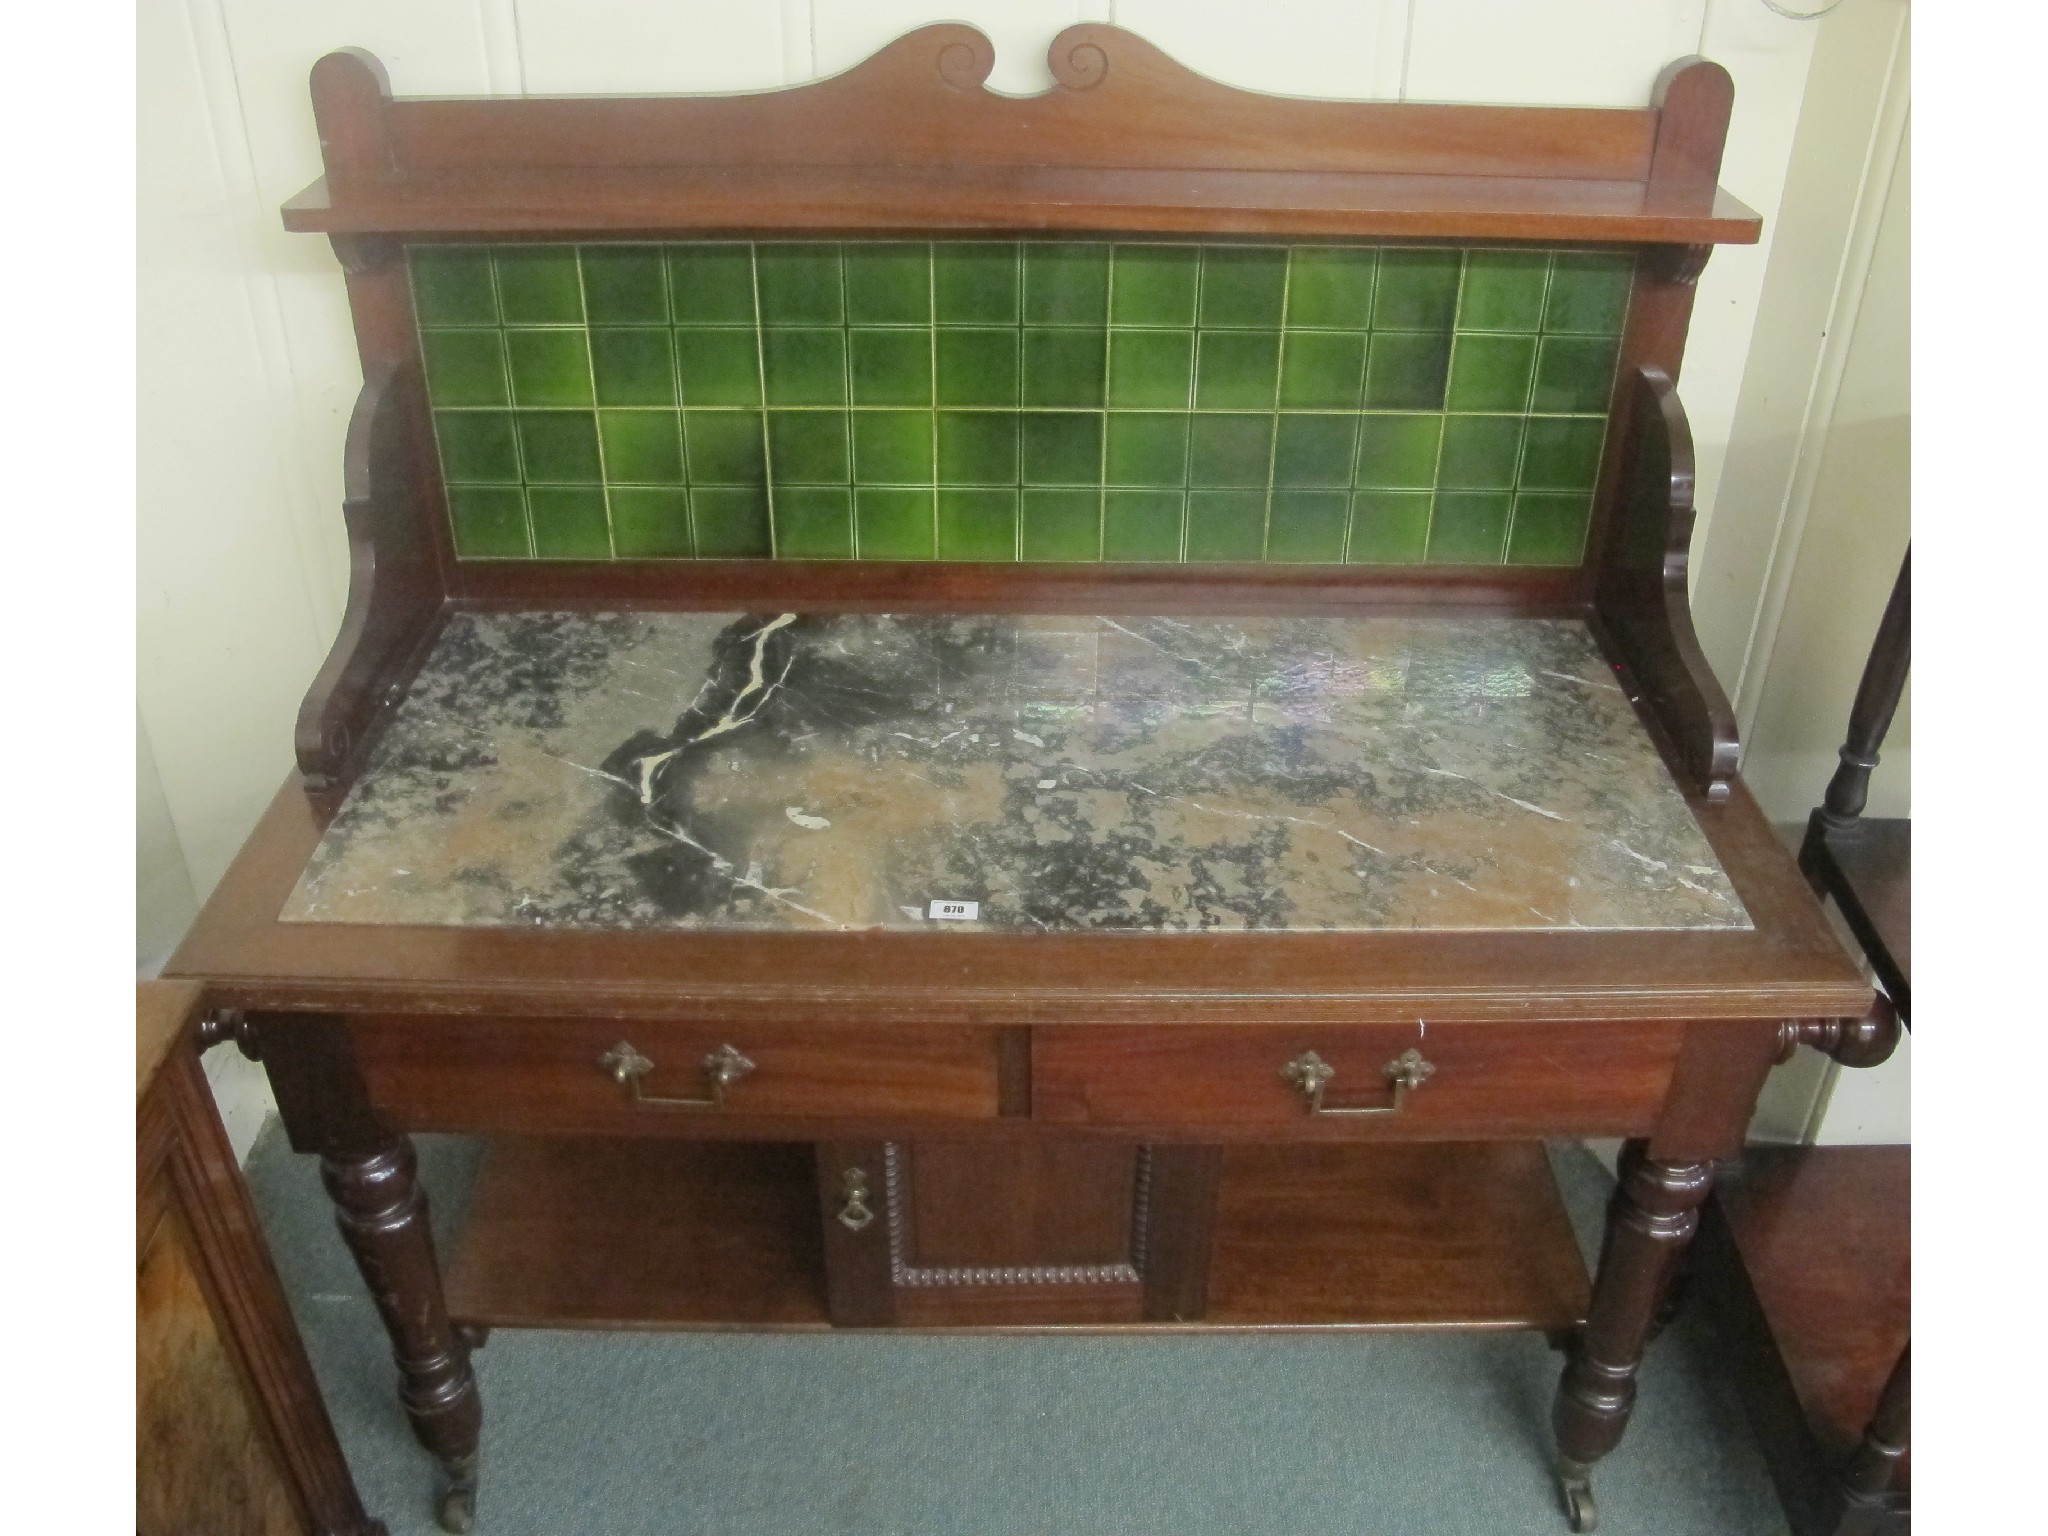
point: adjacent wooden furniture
(231, 1436)
(1807, 1251)
(781, 1122)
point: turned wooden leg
(1868, 1476)
(1652, 1217)
(383, 1217)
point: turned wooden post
(383, 1217)
(1877, 700)
(1652, 1218)
(1875, 1461)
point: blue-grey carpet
(595, 1434)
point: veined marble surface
(678, 770)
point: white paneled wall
(248, 369)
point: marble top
(848, 771)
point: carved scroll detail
(393, 593)
(1641, 591)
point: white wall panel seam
(504, 52)
(1887, 141)
(227, 122)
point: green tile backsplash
(1020, 400)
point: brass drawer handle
(722, 1068)
(1311, 1074)
(855, 1213)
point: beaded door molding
(1042, 400)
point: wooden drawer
(499, 1074)
(1487, 1079)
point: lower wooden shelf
(699, 1235)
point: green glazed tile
(465, 367)
(1229, 450)
(1062, 526)
(808, 448)
(1151, 368)
(1469, 527)
(559, 447)
(1141, 525)
(489, 521)
(804, 367)
(1066, 284)
(1063, 367)
(978, 524)
(799, 284)
(1237, 370)
(888, 284)
(569, 522)
(1388, 527)
(1307, 525)
(1398, 452)
(725, 447)
(1063, 448)
(731, 523)
(636, 367)
(1575, 374)
(1563, 453)
(977, 367)
(1314, 450)
(1549, 528)
(642, 447)
(1147, 449)
(893, 524)
(891, 367)
(1418, 290)
(452, 285)
(1405, 371)
(539, 285)
(813, 522)
(1226, 525)
(1480, 452)
(1243, 286)
(1503, 291)
(1589, 293)
(711, 284)
(892, 447)
(1154, 285)
(1331, 286)
(549, 367)
(625, 284)
(1491, 373)
(477, 445)
(651, 522)
(975, 283)
(1322, 370)
(977, 448)
(719, 367)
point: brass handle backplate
(1311, 1074)
(627, 1067)
(855, 1213)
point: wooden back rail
(1126, 143)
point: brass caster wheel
(1580, 1512)
(456, 1513)
(455, 1509)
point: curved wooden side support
(394, 588)
(1865, 1042)
(1640, 593)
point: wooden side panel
(1531, 1080)
(202, 1459)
